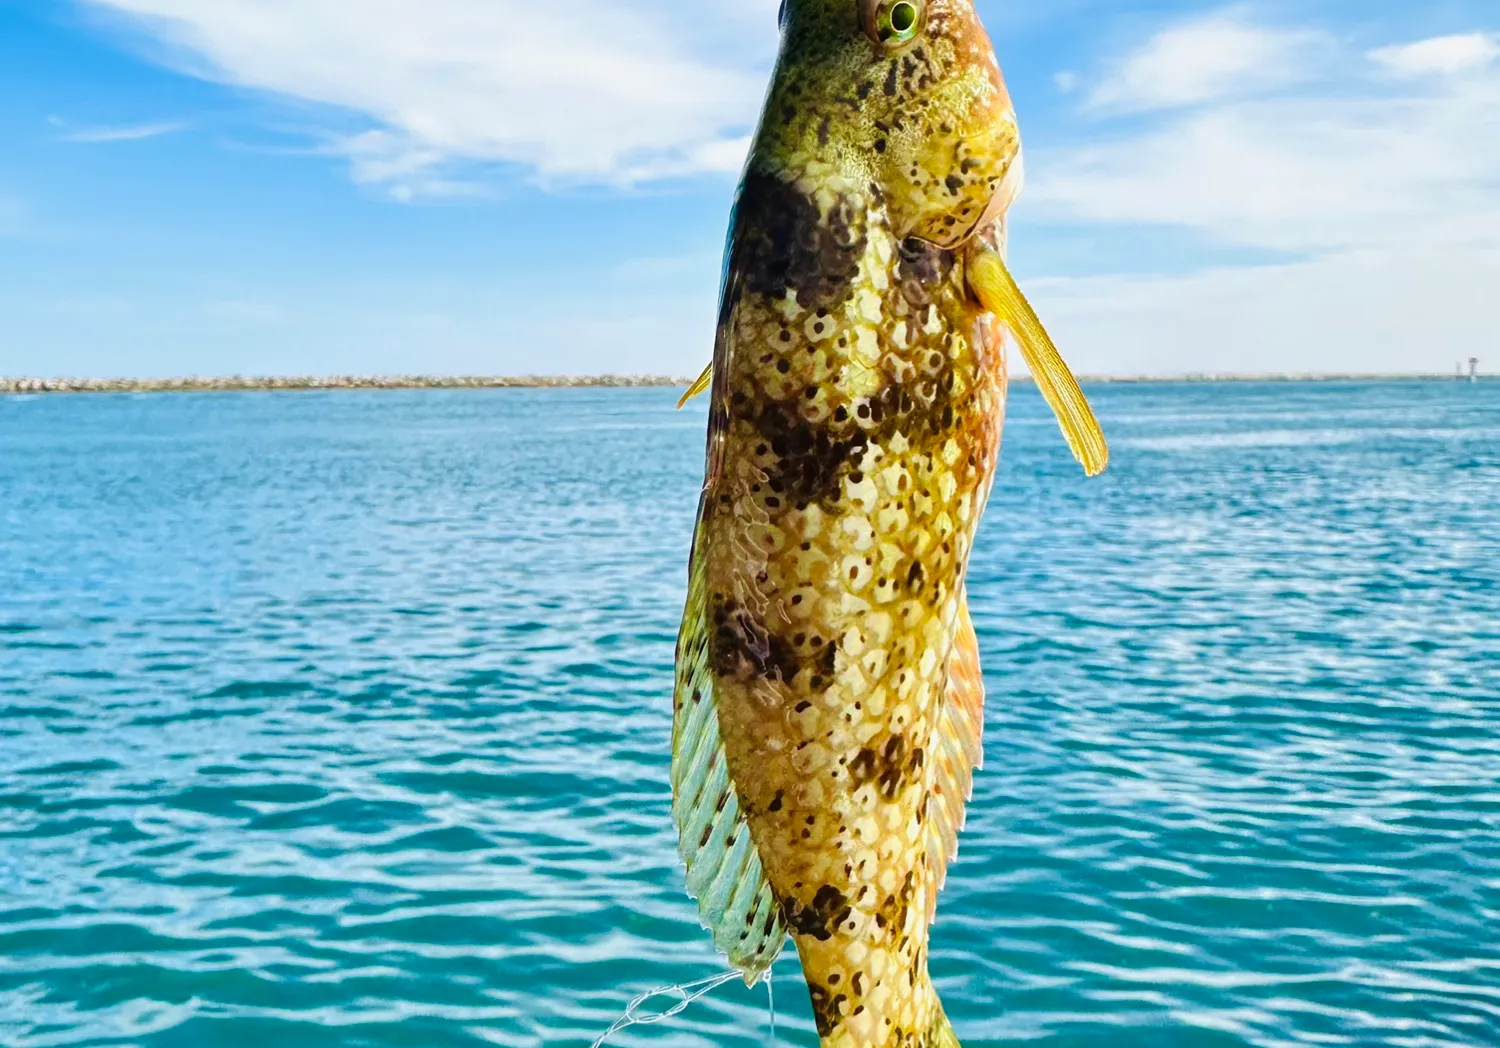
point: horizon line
(244, 383)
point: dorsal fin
(723, 867)
(958, 749)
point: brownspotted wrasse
(829, 700)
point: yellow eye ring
(893, 22)
(901, 20)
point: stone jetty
(240, 383)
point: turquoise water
(343, 719)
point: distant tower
(1473, 369)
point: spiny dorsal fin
(723, 867)
(958, 749)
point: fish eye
(903, 19)
(892, 23)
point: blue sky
(492, 186)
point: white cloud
(1349, 312)
(127, 133)
(1295, 174)
(1206, 59)
(601, 90)
(1390, 202)
(1441, 54)
(1351, 167)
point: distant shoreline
(242, 384)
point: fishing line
(688, 993)
(771, 1003)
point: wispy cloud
(1205, 59)
(1386, 193)
(1442, 54)
(1348, 164)
(593, 90)
(125, 133)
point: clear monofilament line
(687, 994)
(771, 1004)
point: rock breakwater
(239, 383)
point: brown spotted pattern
(854, 432)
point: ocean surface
(342, 719)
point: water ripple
(346, 716)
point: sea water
(344, 718)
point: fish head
(904, 97)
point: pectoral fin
(997, 292)
(698, 388)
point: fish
(828, 705)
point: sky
(218, 187)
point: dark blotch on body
(787, 244)
(827, 1008)
(890, 767)
(923, 267)
(811, 457)
(821, 918)
(893, 910)
(742, 648)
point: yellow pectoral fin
(997, 292)
(701, 386)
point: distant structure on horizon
(1473, 369)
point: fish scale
(835, 598)
(829, 697)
